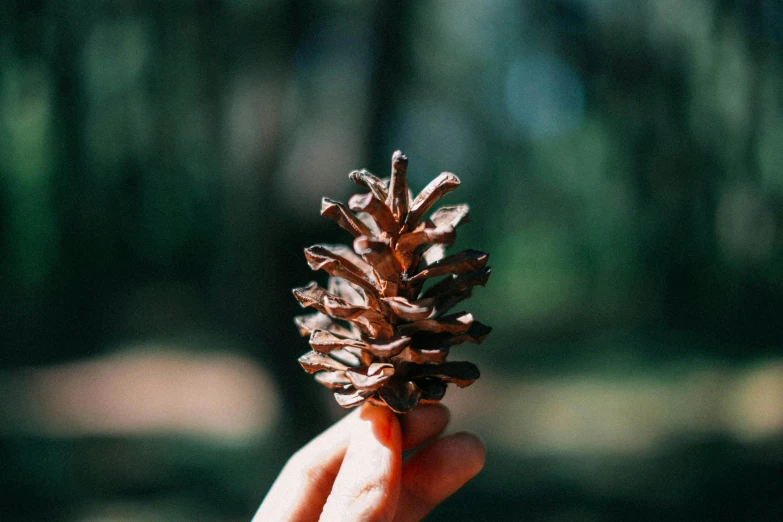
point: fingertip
(472, 449)
(385, 425)
(432, 413)
(437, 471)
(423, 423)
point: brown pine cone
(379, 335)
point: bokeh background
(161, 166)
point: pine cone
(378, 335)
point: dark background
(161, 166)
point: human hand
(354, 470)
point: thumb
(367, 486)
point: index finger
(368, 484)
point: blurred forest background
(161, 167)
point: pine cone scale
(376, 208)
(397, 200)
(465, 261)
(436, 189)
(371, 182)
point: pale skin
(354, 470)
